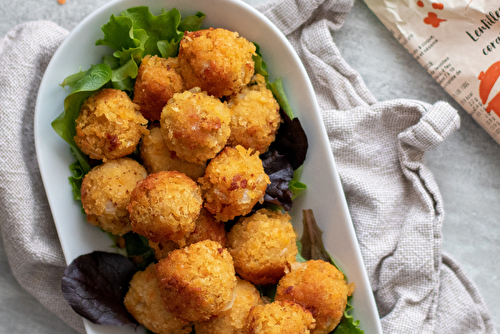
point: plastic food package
(458, 42)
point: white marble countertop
(466, 166)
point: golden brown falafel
(255, 116)
(263, 246)
(156, 83)
(197, 281)
(106, 192)
(233, 320)
(279, 317)
(233, 183)
(320, 288)
(109, 125)
(156, 157)
(164, 206)
(217, 60)
(206, 228)
(144, 302)
(195, 126)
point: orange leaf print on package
(488, 80)
(432, 18)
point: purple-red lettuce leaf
(95, 284)
(291, 141)
(312, 239)
(280, 172)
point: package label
(458, 43)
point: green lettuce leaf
(138, 250)
(348, 325)
(135, 53)
(295, 186)
(137, 33)
(299, 256)
(111, 61)
(267, 291)
(311, 247)
(158, 28)
(70, 81)
(76, 179)
(279, 94)
(192, 23)
(260, 66)
(64, 125)
(121, 77)
(118, 33)
(276, 87)
(129, 69)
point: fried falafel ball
(255, 116)
(263, 246)
(233, 183)
(106, 192)
(233, 320)
(144, 302)
(109, 125)
(157, 157)
(156, 83)
(195, 126)
(217, 60)
(164, 206)
(279, 317)
(206, 228)
(320, 288)
(197, 281)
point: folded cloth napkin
(379, 148)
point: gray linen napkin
(28, 230)
(378, 147)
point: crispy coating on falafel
(144, 302)
(156, 83)
(263, 246)
(109, 125)
(320, 288)
(255, 116)
(217, 60)
(279, 317)
(195, 126)
(156, 157)
(106, 192)
(233, 183)
(206, 228)
(233, 320)
(197, 281)
(164, 206)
